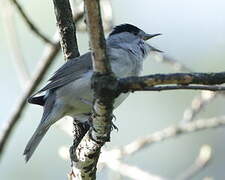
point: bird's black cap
(125, 28)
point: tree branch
(147, 82)
(13, 43)
(171, 132)
(9, 124)
(88, 151)
(200, 163)
(183, 87)
(103, 83)
(176, 65)
(67, 30)
(131, 171)
(49, 54)
(112, 160)
(30, 24)
(197, 104)
(200, 101)
(97, 40)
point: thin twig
(112, 159)
(14, 45)
(131, 171)
(176, 65)
(8, 125)
(179, 87)
(30, 24)
(49, 54)
(171, 132)
(197, 104)
(200, 101)
(200, 163)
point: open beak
(149, 36)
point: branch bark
(183, 87)
(67, 30)
(87, 153)
(97, 40)
(103, 84)
(147, 82)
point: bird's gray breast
(124, 62)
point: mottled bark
(103, 84)
(185, 79)
(67, 29)
(96, 33)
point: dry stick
(111, 159)
(201, 162)
(171, 132)
(182, 79)
(14, 47)
(99, 58)
(88, 150)
(197, 104)
(30, 23)
(49, 54)
(161, 135)
(70, 50)
(103, 78)
(178, 66)
(131, 171)
(8, 125)
(67, 29)
(178, 87)
(69, 46)
(200, 101)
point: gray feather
(49, 105)
(76, 65)
(34, 141)
(42, 128)
(69, 72)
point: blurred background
(193, 33)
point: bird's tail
(34, 141)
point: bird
(69, 93)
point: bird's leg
(80, 129)
(113, 125)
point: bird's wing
(70, 71)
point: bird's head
(130, 37)
(130, 32)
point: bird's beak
(149, 36)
